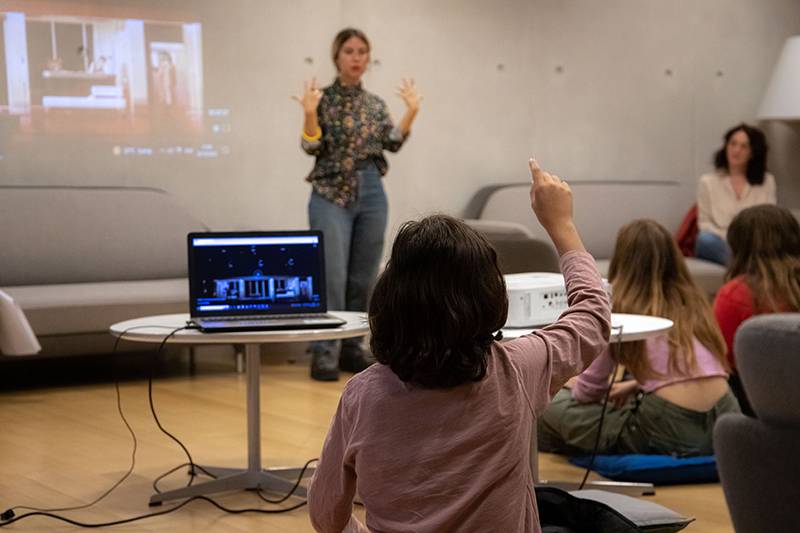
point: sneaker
(324, 365)
(354, 358)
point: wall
(619, 89)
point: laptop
(258, 281)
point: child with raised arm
(436, 437)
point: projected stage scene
(67, 73)
(102, 70)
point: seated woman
(741, 180)
(679, 386)
(764, 275)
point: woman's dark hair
(435, 307)
(757, 166)
(342, 37)
(765, 249)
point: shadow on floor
(20, 373)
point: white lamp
(16, 335)
(782, 99)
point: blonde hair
(649, 276)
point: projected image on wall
(93, 75)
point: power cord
(616, 345)
(9, 516)
(10, 513)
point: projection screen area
(106, 81)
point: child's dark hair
(435, 307)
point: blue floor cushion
(655, 469)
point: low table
(154, 329)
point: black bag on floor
(597, 511)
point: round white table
(154, 329)
(624, 328)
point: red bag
(686, 235)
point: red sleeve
(733, 305)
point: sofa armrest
(517, 250)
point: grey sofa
(601, 209)
(757, 457)
(78, 259)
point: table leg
(280, 480)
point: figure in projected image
(347, 129)
(165, 80)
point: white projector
(536, 298)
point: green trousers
(645, 424)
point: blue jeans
(353, 240)
(712, 247)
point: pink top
(456, 459)
(592, 384)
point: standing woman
(347, 129)
(741, 180)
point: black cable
(603, 410)
(192, 465)
(151, 515)
(10, 512)
(8, 517)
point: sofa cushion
(92, 307)
(53, 235)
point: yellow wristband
(313, 138)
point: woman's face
(352, 59)
(738, 150)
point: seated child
(679, 386)
(763, 277)
(436, 436)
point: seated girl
(764, 275)
(436, 436)
(679, 386)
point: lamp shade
(782, 99)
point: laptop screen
(264, 273)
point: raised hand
(311, 96)
(408, 92)
(551, 200)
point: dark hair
(342, 37)
(765, 246)
(757, 166)
(435, 307)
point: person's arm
(550, 356)
(331, 492)
(408, 92)
(704, 222)
(393, 136)
(732, 306)
(769, 181)
(592, 383)
(309, 101)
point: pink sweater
(456, 459)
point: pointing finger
(537, 174)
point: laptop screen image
(256, 274)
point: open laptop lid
(256, 273)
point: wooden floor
(63, 444)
